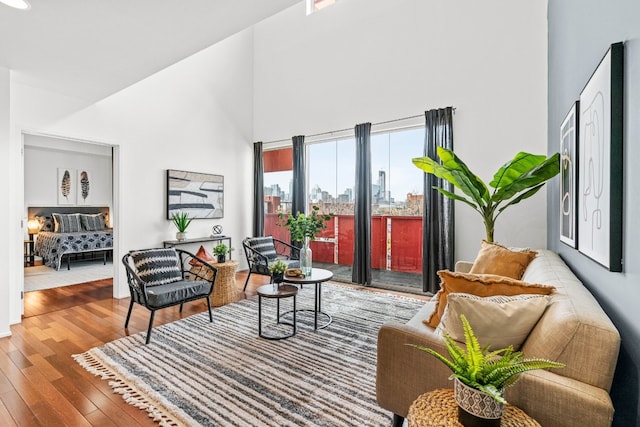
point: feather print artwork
(84, 185)
(65, 185)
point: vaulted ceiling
(90, 49)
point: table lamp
(33, 227)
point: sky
(332, 164)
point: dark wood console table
(172, 243)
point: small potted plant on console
(181, 220)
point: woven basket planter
(476, 408)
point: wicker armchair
(160, 278)
(262, 251)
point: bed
(72, 234)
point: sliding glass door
(397, 208)
(331, 172)
(397, 204)
(278, 177)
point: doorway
(63, 174)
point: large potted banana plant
(517, 180)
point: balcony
(396, 249)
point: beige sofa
(573, 330)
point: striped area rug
(222, 374)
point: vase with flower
(303, 229)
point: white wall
(43, 156)
(359, 60)
(195, 115)
(364, 60)
(5, 176)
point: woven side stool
(439, 408)
(224, 290)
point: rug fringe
(129, 394)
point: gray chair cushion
(172, 293)
(157, 266)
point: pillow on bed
(46, 223)
(67, 223)
(93, 222)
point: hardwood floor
(41, 385)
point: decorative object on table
(66, 186)
(216, 230)
(201, 195)
(480, 376)
(516, 180)
(277, 270)
(204, 255)
(181, 220)
(84, 187)
(294, 272)
(600, 165)
(569, 176)
(304, 228)
(221, 250)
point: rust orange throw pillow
(203, 254)
(482, 285)
(502, 261)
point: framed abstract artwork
(600, 162)
(199, 195)
(569, 176)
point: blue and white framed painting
(199, 195)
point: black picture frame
(569, 130)
(600, 166)
(199, 195)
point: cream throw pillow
(497, 321)
(482, 285)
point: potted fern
(181, 220)
(481, 376)
(515, 181)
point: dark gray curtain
(298, 202)
(258, 192)
(437, 222)
(362, 215)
